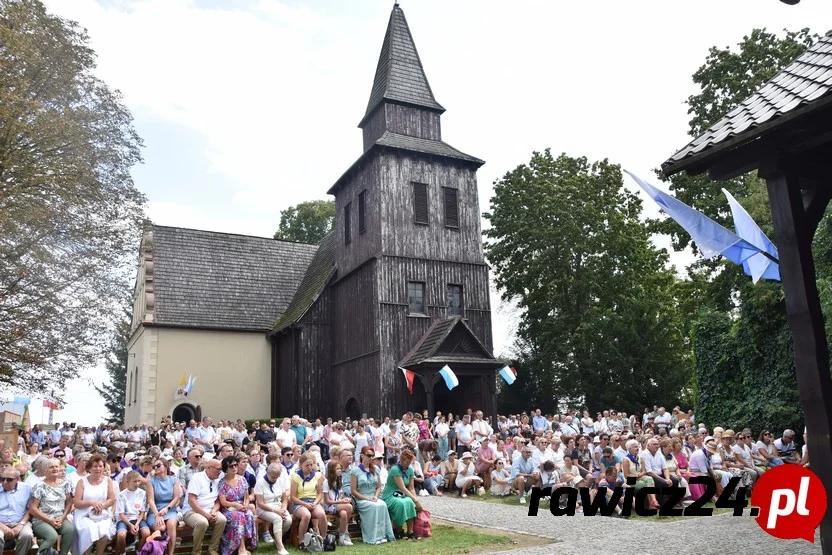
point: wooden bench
(353, 528)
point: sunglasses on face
(232, 465)
(9, 480)
(60, 455)
(157, 466)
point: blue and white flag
(758, 265)
(711, 238)
(450, 378)
(508, 374)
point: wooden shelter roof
(205, 279)
(802, 87)
(317, 275)
(448, 341)
(400, 76)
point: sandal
(412, 536)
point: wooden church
(401, 282)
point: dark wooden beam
(742, 161)
(811, 352)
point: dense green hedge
(745, 366)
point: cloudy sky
(249, 106)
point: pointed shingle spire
(399, 74)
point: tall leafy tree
(114, 392)
(599, 321)
(742, 342)
(307, 222)
(69, 212)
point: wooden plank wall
(355, 340)
(405, 120)
(401, 236)
(362, 246)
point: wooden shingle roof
(400, 76)
(800, 87)
(204, 279)
(466, 349)
(409, 144)
(317, 276)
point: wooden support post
(811, 352)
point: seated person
(500, 479)
(14, 518)
(524, 476)
(400, 496)
(272, 504)
(786, 447)
(433, 476)
(610, 481)
(449, 468)
(466, 475)
(131, 511)
(336, 502)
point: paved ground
(719, 535)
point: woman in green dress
(400, 496)
(366, 491)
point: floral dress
(240, 523)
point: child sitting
(336, 502)
(131, 510)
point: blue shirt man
(523, 474)
(37, 436)
(539, 422)
(14, 518)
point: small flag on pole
(409, 377)
(190, 386)
(509, 374)
(180, 391)
(50, 404)
(450, 378)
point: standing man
(285, 437)
(539, 422)
(299, 429)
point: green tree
(69, 213)
(114, 392)
(599, 320)
(307, 222)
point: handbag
(421, 526)
(330, 541)
(313, 542)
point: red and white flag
(409, 376)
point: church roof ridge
(400, 76)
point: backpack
(330, 541)
(313, 542)
(421, 526)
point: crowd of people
(82, 489)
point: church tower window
(451, 208)
(420, 203)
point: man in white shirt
(568, 428)
(206, 435)
(482, 429)
(464, 435)
(655, 465)
(285, 437)
(202, 507)
(662, 420)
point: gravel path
(719, 535)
